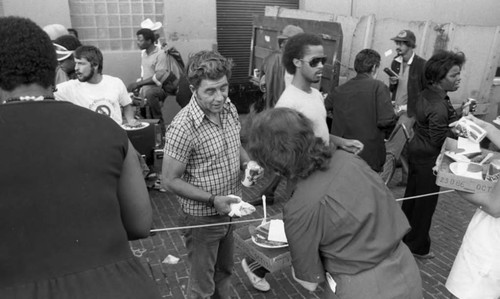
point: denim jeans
(210, 255)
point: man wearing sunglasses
(303, 57)
(362, 109)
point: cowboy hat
(148, 24)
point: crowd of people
(356, 242)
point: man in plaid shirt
(202, 163)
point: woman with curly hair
(71, 194)
(342, 223)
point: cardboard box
(445, 178)
(272, 259)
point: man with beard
(407, 85)
(100, 93)
(409, 67)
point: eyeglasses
(315, 61)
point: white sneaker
(260, 284)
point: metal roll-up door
(234, 30)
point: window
(112, 24)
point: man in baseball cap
(406, 36)
(405, 91)
(289, 31)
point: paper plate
(135, 128)
(253, 232)
(268, 246)
(456, 157)
(463, 169)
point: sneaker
(257, 282)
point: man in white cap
(65, 46)
(154, 69)
(55, 30)
(153, 26)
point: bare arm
(350, 145)
(244, 158)
(133, 196)
(488, 202)
(129, 113)
(172, 181)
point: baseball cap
(405, 36)
(289, 31)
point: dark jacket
(416, 81)
(362, 110)
(434, 113)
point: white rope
(204, 225)
(260, 219)
(424, 195)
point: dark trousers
(419, 211)
(155, 96)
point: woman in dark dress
(71, 194)
(433, 113)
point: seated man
(65, 46)
(100, 93)
(154, 71)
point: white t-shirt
(310, 104)
(105, 97)
(476, 270)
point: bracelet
(211, 201)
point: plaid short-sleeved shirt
(211, 153)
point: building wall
(189, 26)
(43, 12)
(466, 12)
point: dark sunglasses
(315, 61)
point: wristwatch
(211, 201)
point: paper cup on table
(251, 171)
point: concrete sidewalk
(450, 221)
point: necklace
(29, 98)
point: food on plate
(137, 126)
(260, 235)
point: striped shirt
(210, 152)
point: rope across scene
(260, 219)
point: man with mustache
(406, 86)
(410, 69)
(103, 94)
